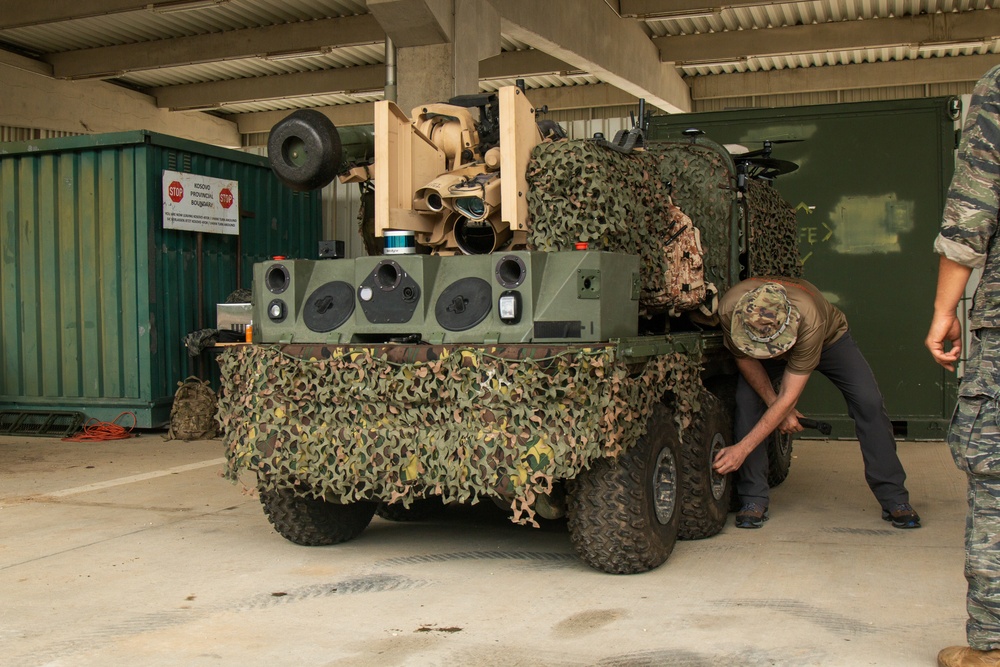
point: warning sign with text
(200, 203)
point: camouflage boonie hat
(765, 324)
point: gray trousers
(844, 365)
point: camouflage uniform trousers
(974, 438)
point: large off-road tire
(420, 509)
(623, 512)
(313, 522)
(779, 457)
(304, 150)
(705, 494)
(779, 450)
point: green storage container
(868, 197)
(96, 296)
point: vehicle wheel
(779, 457)
(313, 522)
(779, 451)
(420, 509)
(705, 494)
(623, 512)
(304, 150)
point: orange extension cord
(95, 430)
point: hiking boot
(751, 515)
(902, 516)
(964, 656)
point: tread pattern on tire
(702, 515)
(778, 462)
(612, 524)
(313, 522)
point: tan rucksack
(192, 416)
(685, 287)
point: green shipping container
(868, 197)
(96, 296)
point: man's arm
(756, 376)
(945, 326)
(729, 459)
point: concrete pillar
(438, 72)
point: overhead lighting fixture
(707, 12)
(715, 63)
(364, 94)
(929, 47)
(183, 6)
(292, 55)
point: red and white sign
(175, 191)
(200, 203)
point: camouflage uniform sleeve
(970, 214)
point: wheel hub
(665, 486)
(294, 152)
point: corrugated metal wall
(95, 296)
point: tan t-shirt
(821, 322)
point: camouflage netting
(581, 191)
(771, 226)
(350, 424)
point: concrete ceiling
(254, 60)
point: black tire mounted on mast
(304, 150)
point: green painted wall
(95, 296)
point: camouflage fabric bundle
(350, 424)
(581, 191)
(772, 231)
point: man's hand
(952, 279)
(729, 459)
(945, 328)
(791, 423)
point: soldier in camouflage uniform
(784, 328)
(967, 241)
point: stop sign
(175, 191)
(225, 198)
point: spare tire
(304, 150)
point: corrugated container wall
(95, 296)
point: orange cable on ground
(95, 430)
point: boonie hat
(765, 324)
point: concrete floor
(138, 553)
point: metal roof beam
(915, 31)
(568, 97)
(19, 14)
(218, 94)
(843, 77)
(362, 113)
(270, 41)
(615, 50)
